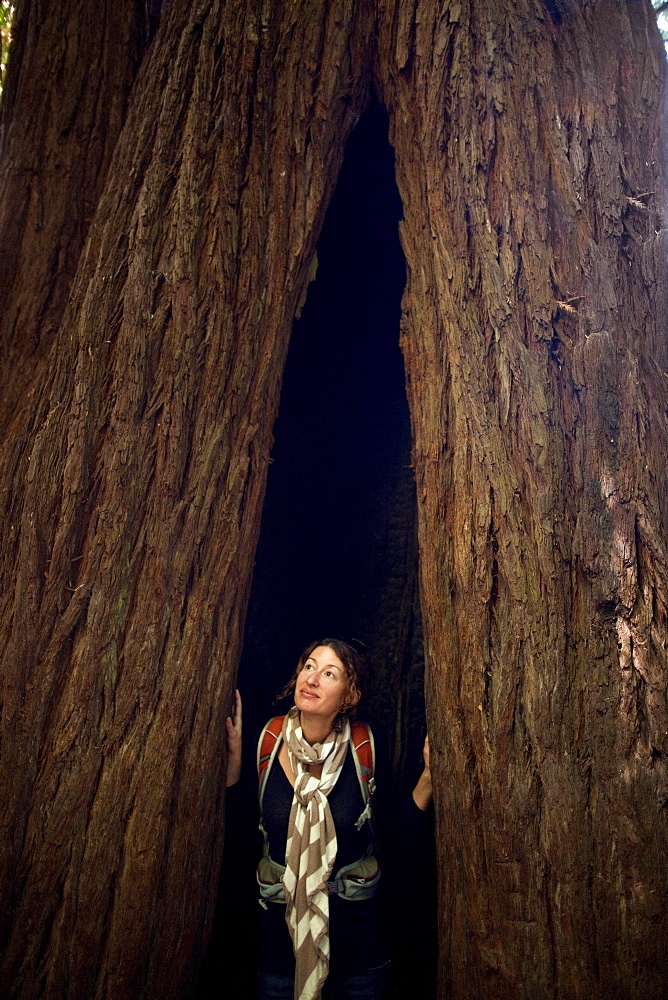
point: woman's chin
(306, 704)
(315, 709)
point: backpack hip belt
(353, 882)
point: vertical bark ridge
(70, 73)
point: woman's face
(321, 687)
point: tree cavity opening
(337, 554)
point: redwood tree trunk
(530, 145)
(131, 513)
(528, 139)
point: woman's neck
(316, 729)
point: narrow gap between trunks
(337, 554)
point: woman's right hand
(233, 726)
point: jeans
(370, 985)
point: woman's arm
(233, 726)
(422, 793)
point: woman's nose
(312, 679)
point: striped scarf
(310, 852)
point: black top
(345, 801)
(356, 932)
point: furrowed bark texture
(529, 151)
(529, 146)
(70, 72)
(132, 516)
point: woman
(319, 876)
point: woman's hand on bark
(233, 726)
(422, 793)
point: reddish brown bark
(528, 140)
(532, 177)
(132, 515)
(64, 102)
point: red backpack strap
(361, 738)
(267, 745)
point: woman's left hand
(233, 726)
(422, 793)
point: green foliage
(6, 15)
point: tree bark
(528, 140)
(132, 512)
(68, 81)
